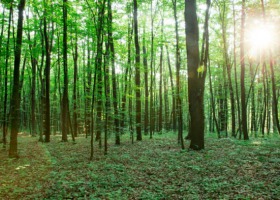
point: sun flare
(260, 38)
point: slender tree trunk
(152, 123)
(88, 113)
(160, 81)
(137, 73)
(33, 82)
(65, 101)
(75, 111)
(235, 72)
(174, 113)
(242, 65)
(228, 67)
(15, 98)
(5, 119)
(124, 99)
(178, 82)
(114, 78)
(145, 63)
(213, 104)
(47, 125)
(98, 66)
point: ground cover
(151, 169)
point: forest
(139, 99)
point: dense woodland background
(107, 68)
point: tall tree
(47, 118)
(15, 98)
(242, 65)
(5, 119)
(178, 81)
(137, 73)
(114, 79)
(195, 79)
(65, 108)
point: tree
(47, 118)
(65, 101)
(137, 73)
(15, 98)
(5, 118)
(178, 81)
(195, 79)
(242, 65)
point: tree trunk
(195, 79)
(174, 113)
(137, 73)
(145, 63)
(75, 111)
(242, 65)
(152, 123)
(47, 125)
(65, 124)
(5, 118)
(114, 79)
(160, 81)
(178, 82)
(15, 98)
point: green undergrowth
(151, 169)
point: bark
(5, 118)
(178, 82)
(15, 98)
(145, 63)
(47, 130)
(65, 101)
(114, 78)
(195, 80)
(174, 113)
(137, 73)
(242, 65)
(75, 111)
(152, 124)
(160, 81)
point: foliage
(151, 169)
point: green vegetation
(151, 169)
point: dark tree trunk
(33, 83)
(15, 98)
(75, 111)
(242, 65)
(228, 67)
(64, 122)
(195, 80)
(174, 113)
(114, 78)
(137, 73)
(47, 120)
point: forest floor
(151, 169)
